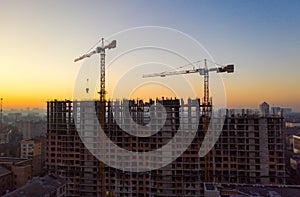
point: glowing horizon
(232, 101)
(260, 38)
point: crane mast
(100, 50)
(207, 108)
(102, 106)
(102, 117)
(206, 84)
(206, 104)
(102, 74)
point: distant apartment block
(32, 128)
(249, 150)
(4, 135)
(264, 109)
(26, 130)
(296, 144)
(32, 149)
(281, 110)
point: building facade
(249, 149)
(32, 149)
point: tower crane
(101, 49)
(206, 104)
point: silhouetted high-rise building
(264, 109)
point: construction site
(250, 148)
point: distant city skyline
(39, 41)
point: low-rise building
(6, 180)
(21, 169)
(48, 186)
(249, 190)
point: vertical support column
(207, 156)
(264, 149)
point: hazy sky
(40, 39)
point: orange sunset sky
(39, 41)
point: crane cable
(215, 63)
(94, 46)
(192, 64)
(174, 69)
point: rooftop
(263, 190)
(4, 171)
(38, 186)
(11, 159)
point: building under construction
(250, 149)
